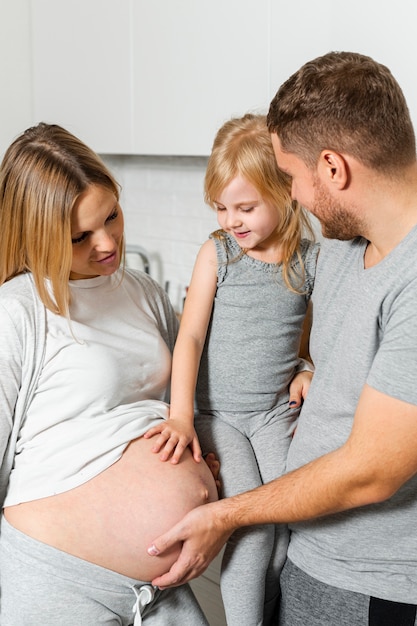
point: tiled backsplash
(164, 209)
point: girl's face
(242, 212)
(96, 231)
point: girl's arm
(178, 432)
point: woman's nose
(103, 240)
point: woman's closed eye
(83, 236)
(113, 216)
(80, 238)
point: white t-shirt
(104, 382)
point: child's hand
(299, 387)
(174, 438)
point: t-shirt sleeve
(394, 369)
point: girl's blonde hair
(42, 175)
(243, 147)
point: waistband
(61, 564)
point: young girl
(238, 349)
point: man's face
(338, 220)
(302, 178)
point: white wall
(162, 200)
(15, 70)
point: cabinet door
(82, 69)
(197, 63)
(378, 28)
(16, 96)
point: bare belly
(112, 519)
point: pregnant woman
(85, 367)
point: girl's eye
(79, 239)
(220, 208)
(247, 209)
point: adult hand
(202, 534)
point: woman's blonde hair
(42, 175)
(243, 147)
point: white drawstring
(144, 596)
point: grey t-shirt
(364, 331)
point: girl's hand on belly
(172, 438)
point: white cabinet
(198, 63)
(160, 76)
(15, 76)
(149, 76)
(383, 29)
(82, 69)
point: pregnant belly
(113, 518)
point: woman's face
(96, 230)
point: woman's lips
(108, 259)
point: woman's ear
(334, 169)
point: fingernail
(292, 403)
(152, 551)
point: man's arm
(379, 456)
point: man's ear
(333, 169)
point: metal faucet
(133, 249)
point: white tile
(162, 200)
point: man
(341, 129)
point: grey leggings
(252, 449)
(42, 586)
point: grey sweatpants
(252, 449)
(306, 600)
(43, 586)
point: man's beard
(337, 222)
